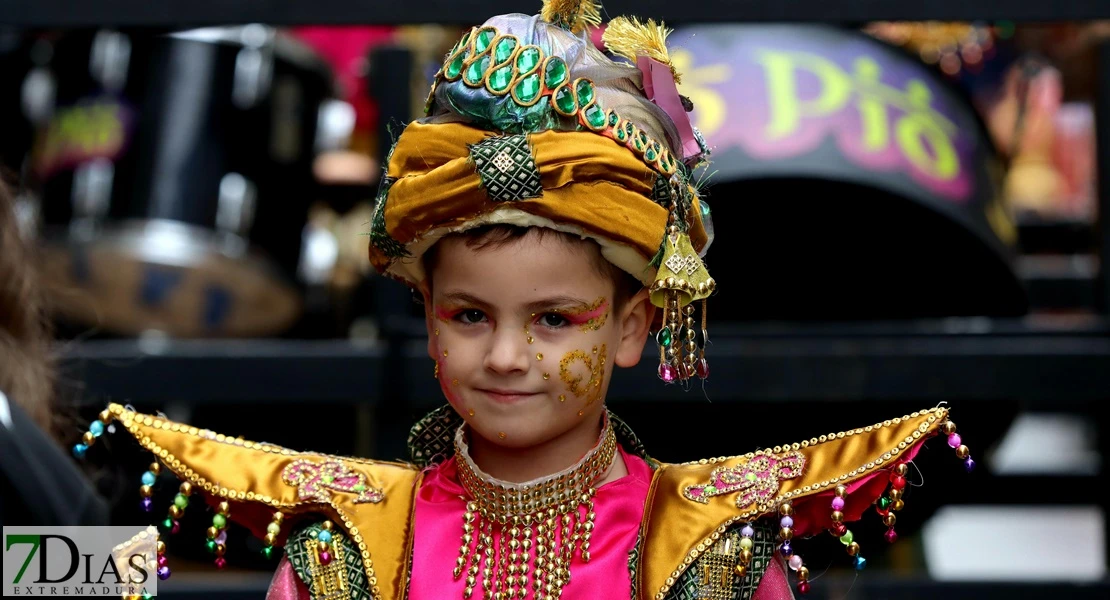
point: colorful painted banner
(781, 92)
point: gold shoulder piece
(260, 486)
(801, 481)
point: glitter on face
(594, 364)
(590, 318)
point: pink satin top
(441, 502)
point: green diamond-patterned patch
(318, 578)
(661, 192)
(432, 439)
(507, 168)
(694, 585)
(379, 235)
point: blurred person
(545, 210)
(39, 482)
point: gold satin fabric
(589, 181)
(676, 530)
(248, 476)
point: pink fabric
(774, 585)
(813, 514)
(440, 505)
(660, 88)
(286, 585)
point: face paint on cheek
(445, 315)
(591, 318)
(570, 371)
(527, 333)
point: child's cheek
(582, 374)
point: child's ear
(429, 320)
(635, 323)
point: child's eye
(470, 317)
(553, 320)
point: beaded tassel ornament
(886, 505)
(216, 533)
(681, 281)
(682, 278)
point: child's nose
(509, 352)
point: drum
(175, 178)
(853, 181)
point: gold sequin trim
(938, 414)
(130, 421)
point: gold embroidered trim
(937, 414)
(131, 421)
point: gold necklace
(558, 508)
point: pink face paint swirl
(590, 318)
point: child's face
(526, 336)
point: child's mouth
(507, 396)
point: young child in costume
(545, 212)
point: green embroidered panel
(507, 168)
(712, 576)
(341, 579)
(379, 235)
(661, 192)
(432, 439)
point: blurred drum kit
(173, 176)
(200, 183)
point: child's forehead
(520, 268)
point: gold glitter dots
(595, 365)
(470, 412)
(562, 398)
(546, 376)
(592, 317)
(539, 356)
(445, 353)
(501, 434)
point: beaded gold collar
(553, 515)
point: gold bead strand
(467, 537)
(272, 531)
(487, 558)
(746, 545)
(501, 559)
(786, 534)
(526, 549)
(591, 515)
(180, 502)
(702, 368)
(690, 363)
(514, 557)
(218, 532)
(892, 501)
(541, 557)
(956, 442)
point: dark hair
(26, 363)
(495, 236)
